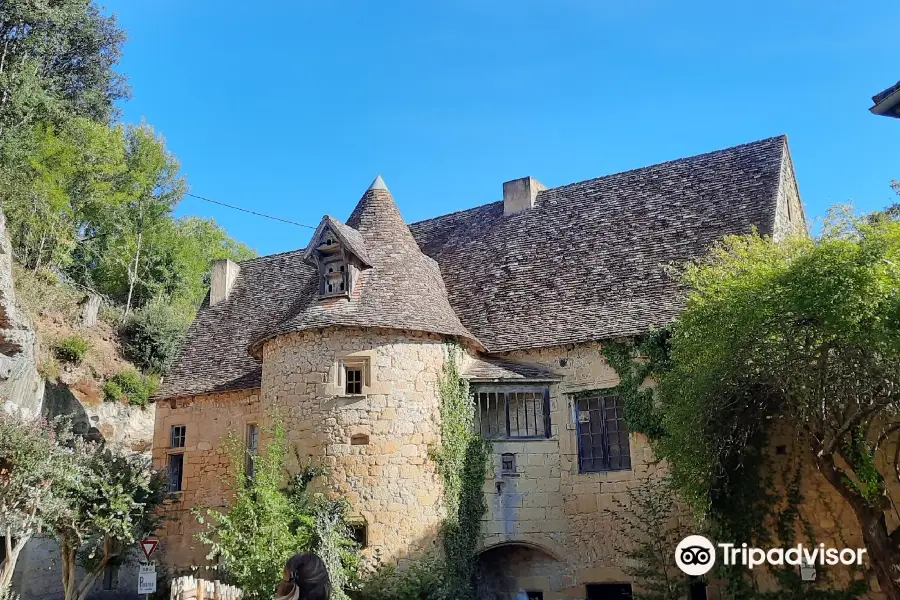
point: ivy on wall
(750, 503)
(461, 460)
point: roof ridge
(781, 136)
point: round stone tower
(353, 372)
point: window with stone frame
(177, 436)
(360, 533)
(512, 412)
(353, 375)
(603, 437)
(508, 464)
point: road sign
(148, 546)
(807, 571)
(147, 579)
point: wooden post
(89, 309)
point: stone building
(346, 339)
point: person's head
(308, 573)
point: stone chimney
(519, 194)
(221, 280)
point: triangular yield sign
(148, 546)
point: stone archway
(506, 568)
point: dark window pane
(609, 591)
(359, 533)
(512, 414)
(602, 433)
(175, 468)
(354, 381)
(252, 448)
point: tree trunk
(882, 547)
(68, 569)
(73, 589)
(133, 274)
(883, 551)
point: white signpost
(147, 572)
(147, 579)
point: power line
(252, 212)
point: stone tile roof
(586, 263)
(486, 368)
(402, 290)
(213, 357)
(349, 236)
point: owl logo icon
(695, 555)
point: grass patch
(130, 387)
(72, 349)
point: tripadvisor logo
(696, 555)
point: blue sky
(292, 108)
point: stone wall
(553, 529)
(789, 214)
(551, 507)
(548, 528)
(375, 445)
(208, 420)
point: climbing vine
(725, 474)
(461, 462)
(461, 459)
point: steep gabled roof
(587, 263)
(350, 237)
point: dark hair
(310, 575)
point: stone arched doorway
(506, 568)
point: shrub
(153, 334)
(131, 387)
(424, 579)
(72, 349)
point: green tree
(270, 519)
(34, 471)
(56, 62)
(111, 504)
(151, 186)
(653, 524)
(63, 180)
(807, 330)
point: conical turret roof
(402, 289)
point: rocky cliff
(21, 386)
(72, 390)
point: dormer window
(339, 255)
